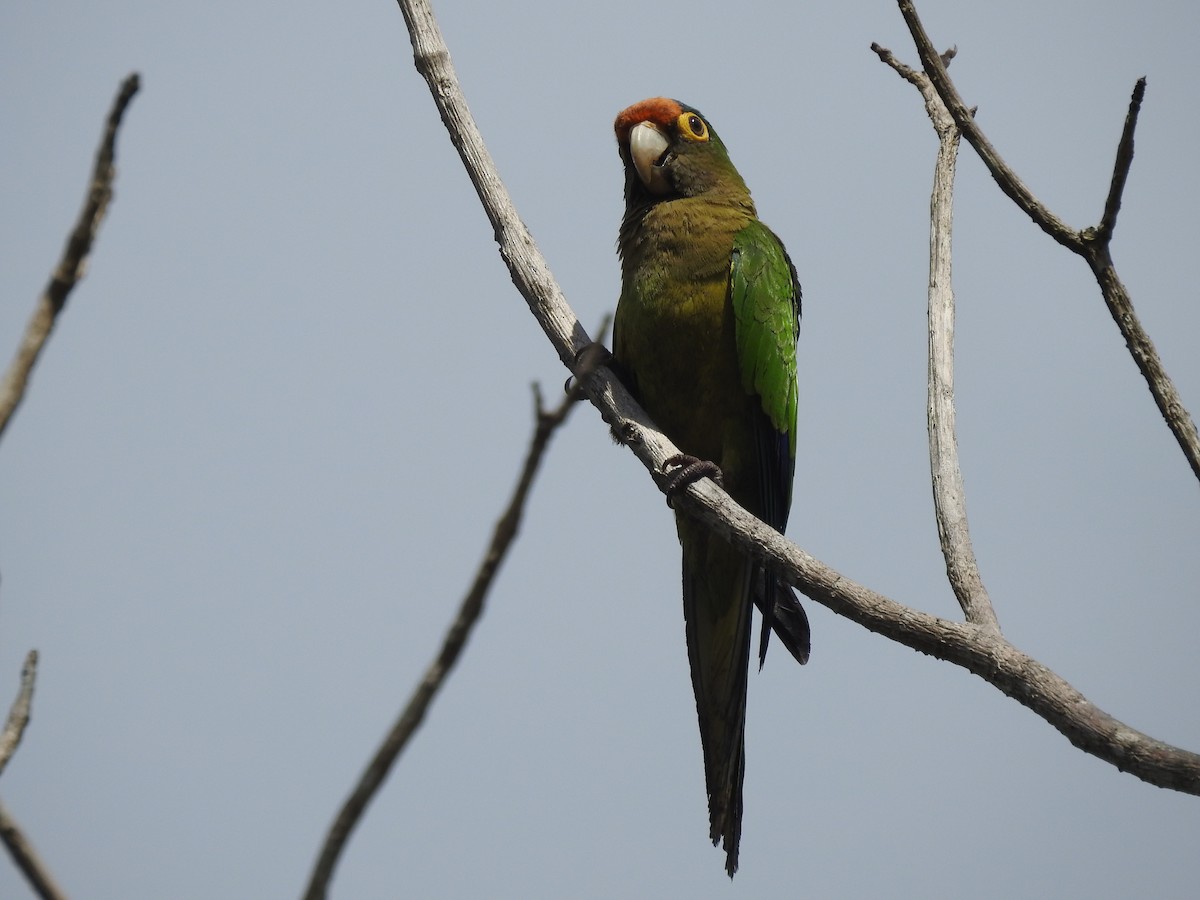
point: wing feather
(765, 293)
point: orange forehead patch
(659, 110)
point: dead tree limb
(70, 269)
(73, 264)
(949, 492)
(27, 859)
(1093, 244)
(18, 846)
(18, 715)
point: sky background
(266, 445)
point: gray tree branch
(27, 859)
(73, 264)
(18, 714)
(18, 846)
(66, 275)
(949, 493)
(1093, 244)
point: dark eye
(691, 127)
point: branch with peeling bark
(976, 647)
(1093, 244)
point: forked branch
(1090, 243)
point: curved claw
(687, 470)
(588, 359)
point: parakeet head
(670, 151)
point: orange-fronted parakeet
(705, 338)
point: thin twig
(18, 715)
(73, 263)
(977, 649)
(373, 777)
(1005, 177)
(27, 860)
(949, 493)
(1091, 243)
(1122, 164)
(19, 847)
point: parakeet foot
(682, 470)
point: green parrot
(705, 339)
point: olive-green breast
(674, 329)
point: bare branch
(949, 493)
(373, 777)
(907, 72)
(72, 265)
(1123, 162)
(70, 269)
(1091, 243)
(977, 649)
(27, 860)
(18, 715)
(14, 839)
(526, 265)
(1141, 348)
(1005, 177)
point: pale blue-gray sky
(263, 452)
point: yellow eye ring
(692, 127)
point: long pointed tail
(716, 606)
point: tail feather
(783, 614)
(716, 605)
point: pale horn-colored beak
(646, 146)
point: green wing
(765, 293)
